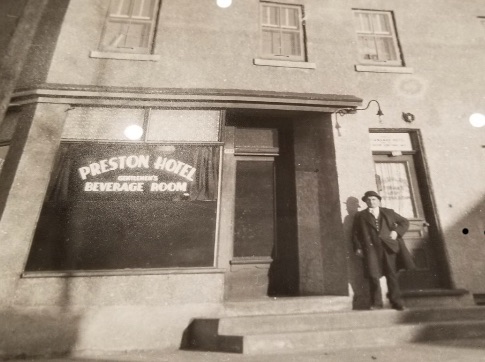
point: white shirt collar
(374, 211)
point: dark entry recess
(265, 229)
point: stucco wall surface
(445, 49)
(203, 46)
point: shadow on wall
(469, 231)
(359, 285)
(466, 246)
(39, 331)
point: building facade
(165, 157)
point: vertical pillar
(321, 241)
(23, 183)
(308, 210)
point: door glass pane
(393, 184)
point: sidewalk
(443, 351)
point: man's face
(372, 201)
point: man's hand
(359, 253)
(393, 235)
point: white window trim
(399, 61)
(383, 69)
(284, 63)
(124, 56)
(137, 19)
(299, 58)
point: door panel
(397, 183)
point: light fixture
(408, 117)
(343, 111)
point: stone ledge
(423, 293)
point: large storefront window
(118, 205)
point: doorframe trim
(419, 153)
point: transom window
(377, 40)
(130, 26)
(282, 32)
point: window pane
(195, 126)
(271, 42)
(120, 8)
(143, 9)
(116, 206)
(381, 24)
(100, 123)
(137, 35)
(394, 186)
(367, 48)
(115, 34)
(385, 49)
(290, 43)
(271, 16)
(290, 18)
(130, 35)
(363, 22)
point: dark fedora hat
(371, 193)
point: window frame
(399, 62)
(302, 57)
(151, 22)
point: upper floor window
(130, 26)
(377, 39)
(282, 32)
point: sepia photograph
(242, 180)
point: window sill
(284, 63)
(383, 69)
(120, 272)
(124, 56)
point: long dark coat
(365, 236)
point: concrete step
(363, 337)
(243, 325)
(294, 332)
(290, 305)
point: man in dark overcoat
(377, 237)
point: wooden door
(398, 184)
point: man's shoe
(398, 307)
(375, 307)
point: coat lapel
(369, 218)
(386, 216)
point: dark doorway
(265, 227)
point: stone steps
(309, 331)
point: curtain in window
(394, 187)
(204, 187)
